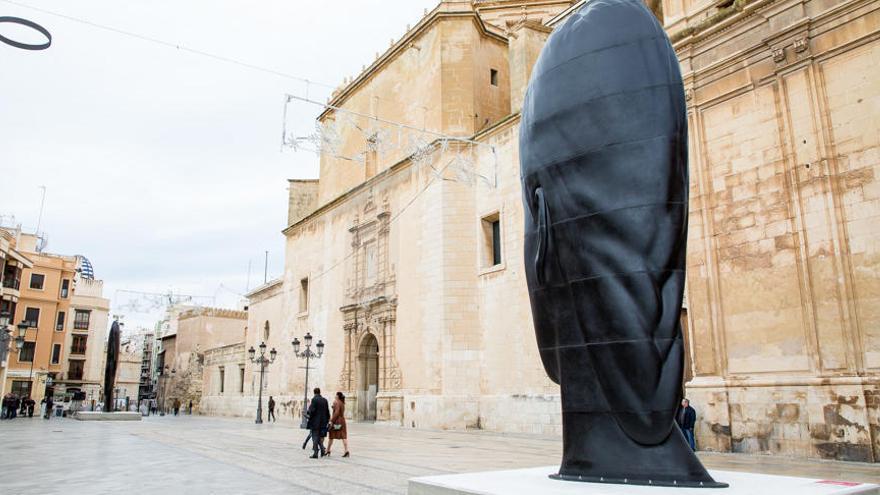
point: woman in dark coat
(338, 429)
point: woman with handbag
(338, 430)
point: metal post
(260, 399)
(33, 357)
(306, 388)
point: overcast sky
(161, 166)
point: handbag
(337, 426)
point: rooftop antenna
(42, 203)
(247, 287)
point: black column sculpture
(603, 150)
(110, 369)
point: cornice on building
(212, 312)
(445, 10)
(260, 290)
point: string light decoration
(151, 302)
(384, 137)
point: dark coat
(271, 405)
(689, 420)
(319, 413)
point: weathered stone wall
(783, 255)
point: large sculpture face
(603, 149)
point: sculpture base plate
(105, 416)
(537, 480)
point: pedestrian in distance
(30, 407)
(271, 416)
(23, 406)
(686, 420)
(49, 405)
(319, 418)
(7, 403)
(176, 406)
(15, 403)
(338, 428)
(190, 408)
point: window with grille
(81, 320)
(79, 344)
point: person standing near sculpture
(319, 417)
(686, 420)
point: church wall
(782, 255)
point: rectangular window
(222, 378)
(32, 316)
(59, 322)
(304, 295)
(81, 320)
(78, 346)
(26, 353)
(65, 288)
(37, 281)
(21, 388)
(241, 382)
(56, 353)
(75, 370)
(491, 226)
(493, 77)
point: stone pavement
(199, 455)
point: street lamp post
(19, 344)
(5, 335)
(308, 355)
(263, 362)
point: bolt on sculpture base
(603, 155)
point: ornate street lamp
(263, 361)
(307, 354)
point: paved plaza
(199, 455)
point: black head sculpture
(603, 150)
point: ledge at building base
(105, 416)
(536, 481)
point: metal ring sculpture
(31, 24)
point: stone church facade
(405, 257)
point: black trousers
(317, 442)
(271, 416)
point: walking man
(319, 417)
(271, 416)
(686, 419)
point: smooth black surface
(110, 369)
(31, 24)
(603, 150)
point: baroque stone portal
(603, 150)
(370, 373)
